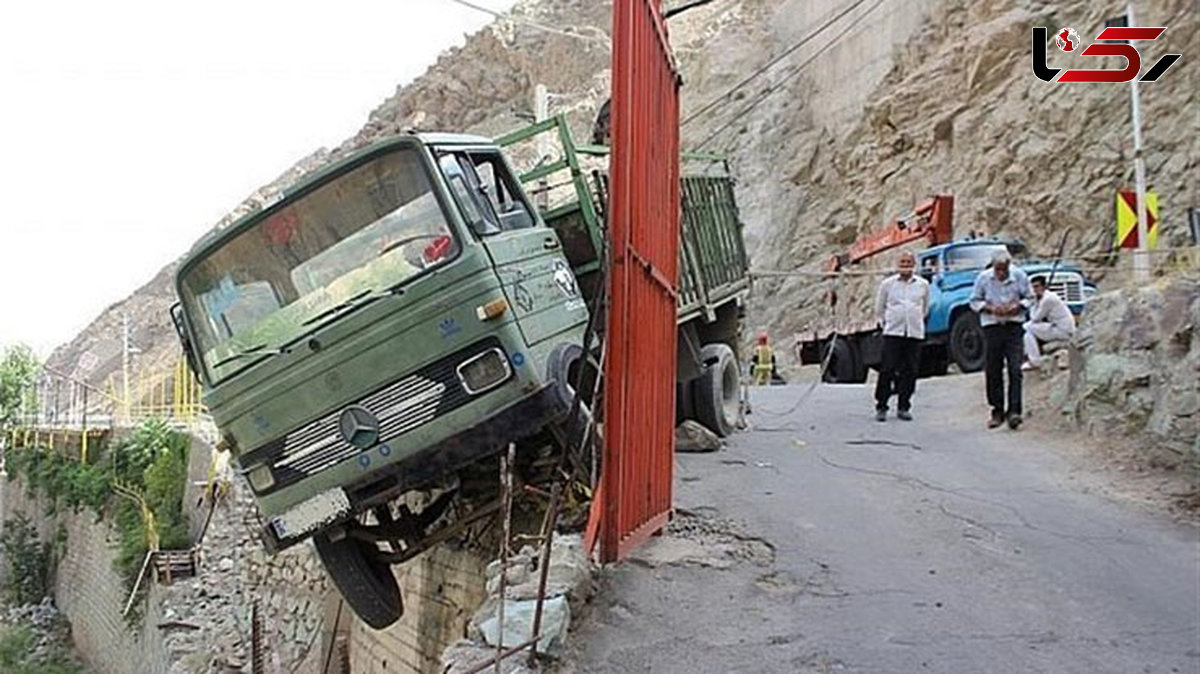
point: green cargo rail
(568, 182)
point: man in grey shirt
(1002, 296)
(900, 308)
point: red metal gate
(639, 374)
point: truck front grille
(1068, 287)
(402, 406)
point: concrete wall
(442, 590)
(89, 592)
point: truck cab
(952, 328)
(372, 335)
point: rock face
(1137, 373)
(959, 112)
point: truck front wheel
(715, 392)
(365, 581)
(966, 342)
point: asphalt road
(930, 546)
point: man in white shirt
(1051, 320)
(900, 308)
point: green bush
(27, 562)
(16, 643)
(152, 460)
(16, 646)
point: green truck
(373, 338)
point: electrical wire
(796, 70)
(533, 24)
(767, 66)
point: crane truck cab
(374, 334)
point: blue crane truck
(952, 330)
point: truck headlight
(260, 477)
(485, 371)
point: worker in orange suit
(762, 363)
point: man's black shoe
(904, 415)
(1014, 421)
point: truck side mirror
(184, 340)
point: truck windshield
(972, 257)
(369, 229)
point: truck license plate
(311, 514)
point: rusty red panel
(644, 204)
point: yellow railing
(71, 411)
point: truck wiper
(251, 352)
(338, 307)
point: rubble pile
(50, 630)
(569, 585)
(206, 620)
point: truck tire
(365, 582)
(966, 342)
(685, 408)
(715, 391)
(841, 367)
(560, 365)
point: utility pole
(126, 351)
(1141, 257)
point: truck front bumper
(521, 419)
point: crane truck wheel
(966, 342)
(841, 366)
(365, 581)
(715, 392)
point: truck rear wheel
(365, 581)
(685, 408)
(715, 392)
(966, 342)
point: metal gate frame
(644, 209)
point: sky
(129, 127)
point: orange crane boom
(933, 220)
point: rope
(812, 388)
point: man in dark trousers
(900, 308)
(1002, 297)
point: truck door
(528, 256)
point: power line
(680, 9)
(795, 71)
(767, 66)
(533, 24)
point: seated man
(1050, 320)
